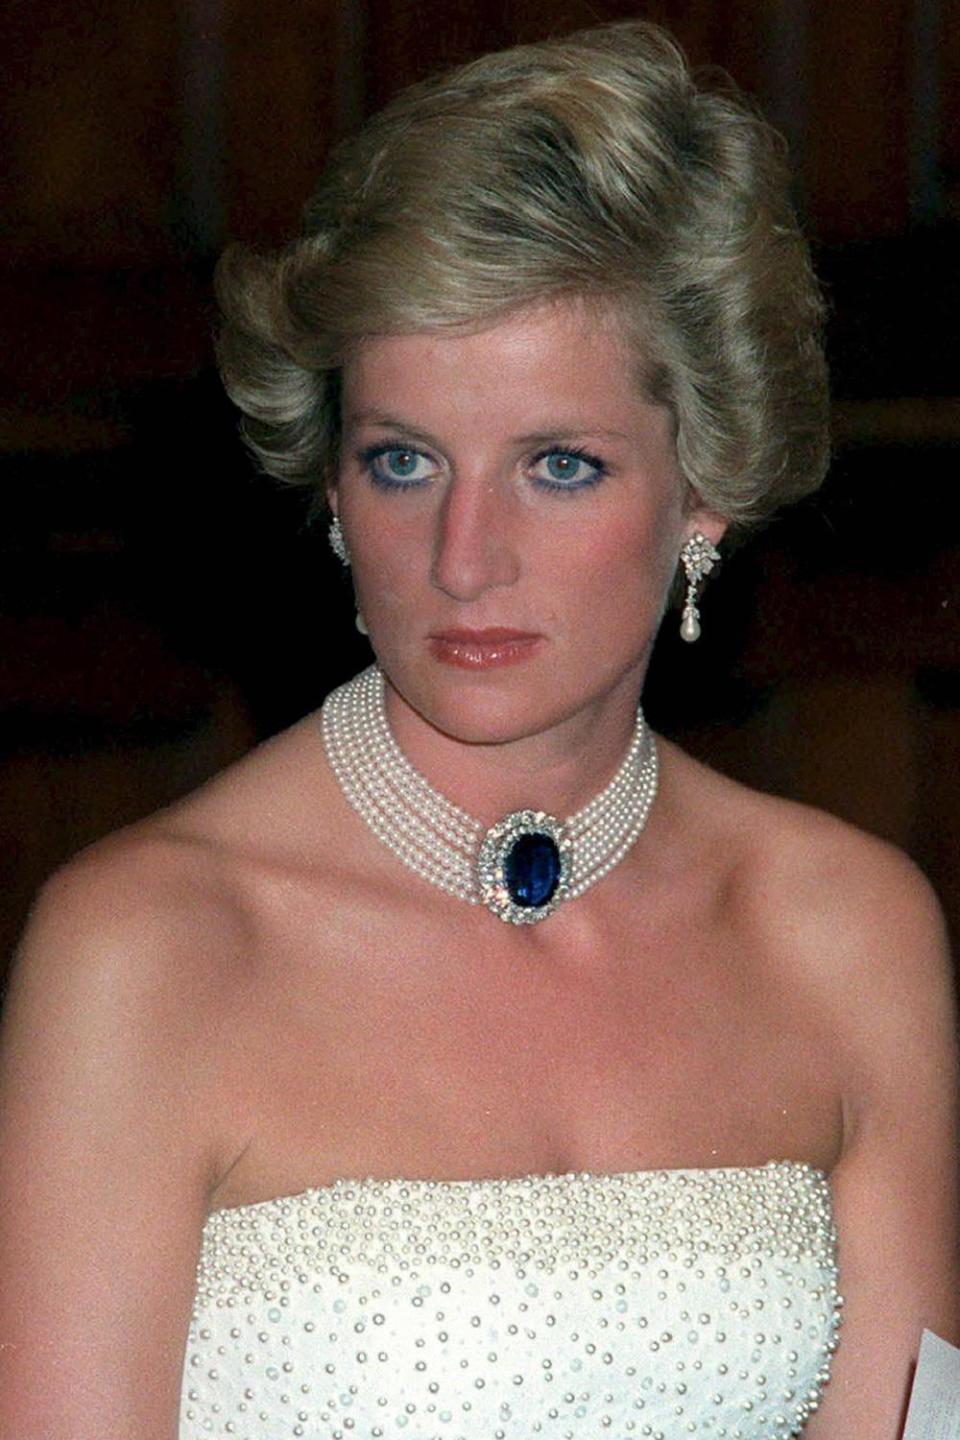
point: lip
(483, 649)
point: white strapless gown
(655, 1305)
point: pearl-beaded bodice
(660, 1305)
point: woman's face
(514, 512)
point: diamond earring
(337, 541)
(698, 557)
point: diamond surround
(493, 861)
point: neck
(525, 864)
(558, 769)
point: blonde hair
(591, 165)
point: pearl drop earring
(698, 557)
(338, 544)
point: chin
(476, 709)
(484, 720)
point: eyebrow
(383, 421)
(564, 431)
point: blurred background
(162, 607)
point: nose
(475, 546)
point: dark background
(162, 607)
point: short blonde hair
(591, 165)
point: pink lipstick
(483, 649)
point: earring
(337, 541)
(338, 544)
(698, 557)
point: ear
(707, 522)
(330, 490)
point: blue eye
(397, 466)
(571, 469)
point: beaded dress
(657, 1304)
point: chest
(408, 1047)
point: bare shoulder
(140, 913)
(852, 907)
(809, 875)
(850, 920)
(142, 944)
(166, 910)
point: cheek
(385, 581)
(638, 557)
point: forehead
(568, 356)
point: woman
(635, 1038)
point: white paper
(934, 1412)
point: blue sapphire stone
(531, 869)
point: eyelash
(369, 456)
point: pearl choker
(523, 867)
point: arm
(895, 1188)
(105, 1165)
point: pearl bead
(690, 626)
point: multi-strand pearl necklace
(523, 867)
